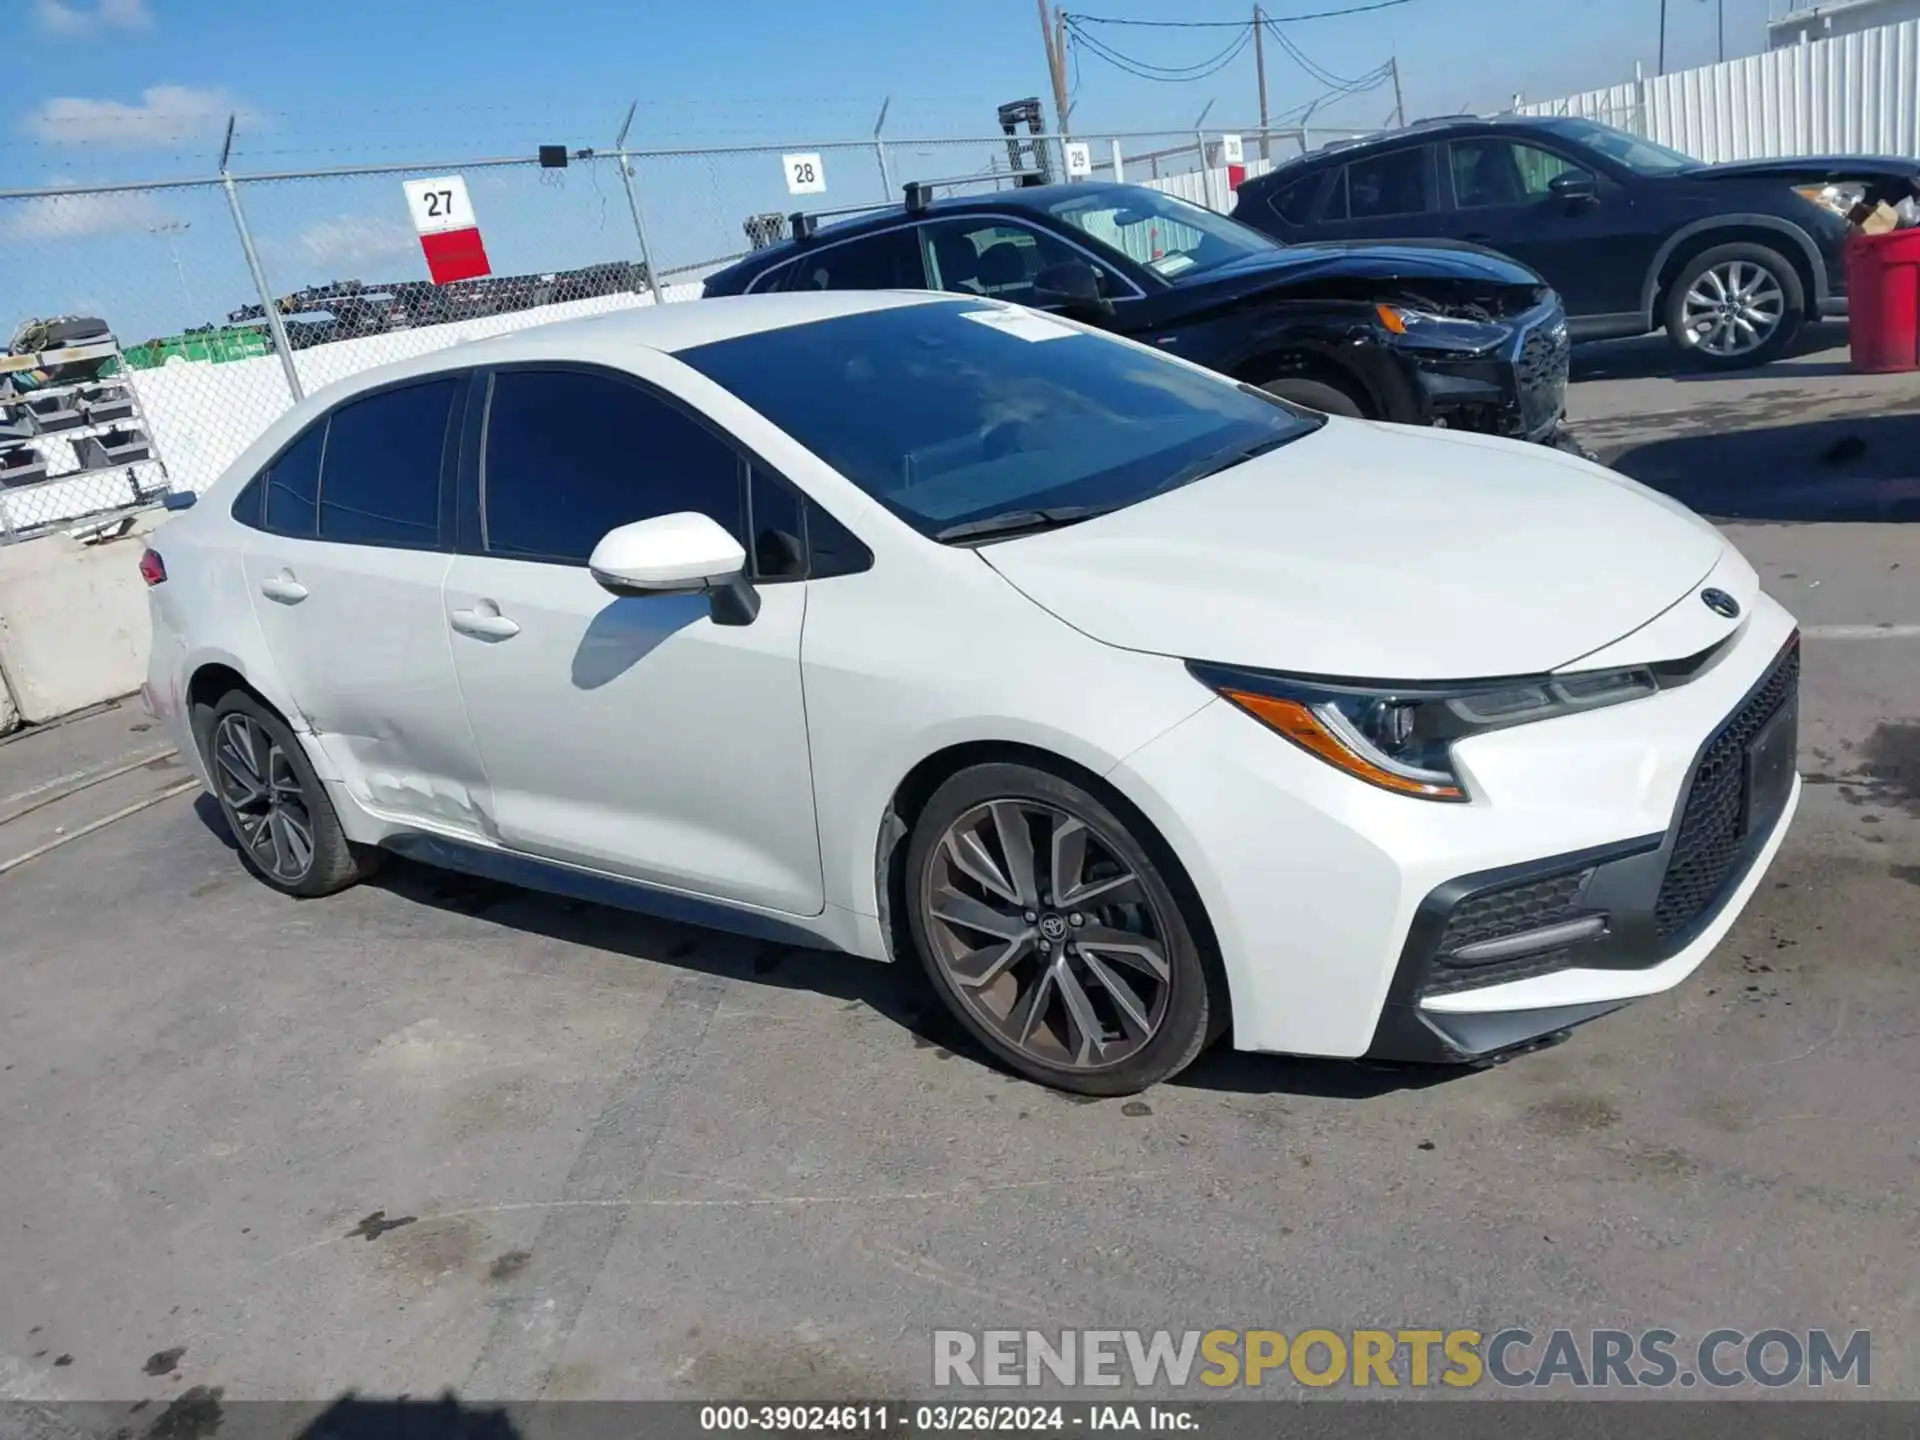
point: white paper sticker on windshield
(1022, 324)
(1172, 264)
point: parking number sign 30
(805, 174)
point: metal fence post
(1119, 163)
(633, 205)
(274, 325)
(880, 149)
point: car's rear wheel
(1054, 935)
(1316, 395)
(276, 807)
(1735, 305)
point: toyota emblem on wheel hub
(1053, 927)
(1721, 603)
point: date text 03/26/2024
(942, 1419)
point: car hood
(1375, 551)
(1372, 260)
(1890, 176)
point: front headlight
(1402, 739)
(1839, 198)
(1454, 332)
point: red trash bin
(1883, 301)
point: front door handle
(1486, 240)
(284, 588)
(484, 622)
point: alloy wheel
(263, 798)
(1733, 308)
(1047, 933)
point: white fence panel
(1854, 94)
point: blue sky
(134, 89)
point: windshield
(1166, 234)
(1630, 150)
(951, 413)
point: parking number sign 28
(805, 174)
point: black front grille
(1540, 373)
(1707, 850)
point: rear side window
(571, 454)
(380, 484)
(1394, 183)
(293, 486)
(880, 262)
(1295, 203)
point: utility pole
(1660, 64)
(1399, 105)
(1720, 18)
(1260, 74)
(1053, 34)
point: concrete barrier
(74, 625)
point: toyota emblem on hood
(1720, 602)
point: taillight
(153, 569)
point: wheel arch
(1285, 362)
(917, 786)
(213, 673)
(1782, 236)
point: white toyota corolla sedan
(1137, 706)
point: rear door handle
(484, 624)
(1486, 240)
(284, 588)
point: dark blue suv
(1731, 260)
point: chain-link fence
(223, 300)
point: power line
(1234, 24)
(1166, 74)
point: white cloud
(166, 115)
(345, 239)
(72, 17)
(51, 217)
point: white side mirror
(679, 554)
(672, 553)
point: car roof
(608, 339)
(882, 217)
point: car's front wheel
(1054, 935)
(1316, 395)
(1735, 306)
(276, 807)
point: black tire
(331, 863)
(1793, 307)
(1190, 1004)
(1316, 395)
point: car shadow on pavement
(900, 992)
(1853, 468)
(1653, 357)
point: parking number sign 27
(805, 174)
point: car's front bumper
(1329, 899)
(1517, 390)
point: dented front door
(360, 636)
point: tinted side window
(988, 257)
(293, 485)
(1492, 172)
(879, 262)
(1391, 184)
(381, 483)
(779, 531)
(1295, 203)
(571, 455)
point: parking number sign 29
(805, 174)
